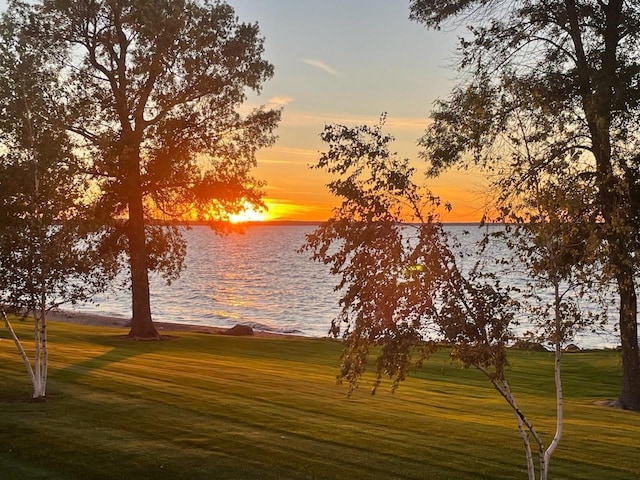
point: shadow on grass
(75, 371)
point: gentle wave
(258, 279)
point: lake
(258, 279)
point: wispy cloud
(284, 155)
(321, 65)
(280, 100)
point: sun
(248, 215)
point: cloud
(280, 100)
(321, 66)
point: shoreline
(109, 321)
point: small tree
(548, 237)
(402, 290)
(48, 246)
(155, 88)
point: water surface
(258, 279)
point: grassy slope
(213, 407)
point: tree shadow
(73, 372)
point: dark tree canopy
(153, 90)
(46, 221)
(551, 91)
(401, 289)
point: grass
(214, 407)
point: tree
(155, 87)
(402, 290)
(48, 242)
(574, 66)
(548, 237)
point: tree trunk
(621, 262)
(142, 326)
(557, 355)
(21, 350)
(630, 396)
(596, 90)
(531, 471)
(44, 353)
(623, 272)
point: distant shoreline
(111, 321)
(290, 223)
(251, 223)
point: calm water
(258, 279)
(255, 278)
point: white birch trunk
(531, 472)
(23, 354)
(40, 370)
(559, 399)
(505, 390)
(38, 298)
(522, 420)
(36, 360)
(44, 355)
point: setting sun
(249, 215)
(278, 209)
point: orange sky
(348, 62)
(296, 192)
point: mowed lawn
(204, 406)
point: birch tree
(48, 242)
(576, 63)
(404, 293)
(155, 88)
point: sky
(347, 62)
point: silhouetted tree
(573, 65)
(155, 88)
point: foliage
(403, 293)
(550, 91)
(49, 243)
(172, 73)
(153, 91)
(383, 301)
(400, 284)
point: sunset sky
(348, 61)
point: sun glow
(282, 210)
(248, 215)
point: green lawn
(214, 407)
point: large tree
(49, 242)
(574, 66)
(155, 87)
